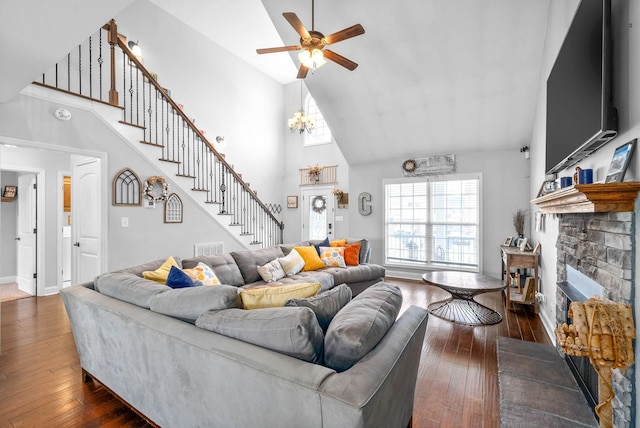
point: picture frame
(620, 162)
(523, 244)
(292, 202)
(507, 241)
(547, 186)
(10, 191)
(536, 249)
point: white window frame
(431, 265)
(320, 124)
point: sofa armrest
(379, 389)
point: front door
(27, 232)
(86, 223)
(318, 213)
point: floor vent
(208, 249)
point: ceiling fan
(312, 44)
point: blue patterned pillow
(179, 279)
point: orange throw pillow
(352, 254)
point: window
(433, 222)
(321, 133)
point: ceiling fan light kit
(312, 44)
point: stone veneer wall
(601, 246)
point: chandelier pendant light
(300, 122)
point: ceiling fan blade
(296, 24)
(347, 33)
(339, 59)
(302, 72)
(280, 49)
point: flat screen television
(580, 115)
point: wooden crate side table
(513, 258)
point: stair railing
(147, 105)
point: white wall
(296, 156)
(626, 82)
(225, 95)
(505, 181)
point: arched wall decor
(173, 209)
(127, 190)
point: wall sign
(364, 206)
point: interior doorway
(54, 245)
(318, 213)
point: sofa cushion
(291, 331)
(325, 305)
(360, 325)
(352, 254)
(352, 274)
(153, 265)
(270, 297)
(324, 278)
(323, 243)
(292, 263)
(333, 256)
(224, 266)
(272, 271)
(311, 258)
(160, 274)
(180, 279)
(189, 303)
(248, 261)
(203, 273)
(286, 248)
(129, 287)
(365, 248)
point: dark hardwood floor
(41, 385)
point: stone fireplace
(595, 255)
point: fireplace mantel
(590, 198)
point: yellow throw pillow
(312, 260)
(338, 243)
(160, 275)
(272, 297)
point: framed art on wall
(620, 162)
(292, 202)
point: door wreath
(156, 189)
(318, 204)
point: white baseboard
(7, 279)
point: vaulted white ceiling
(434, 76)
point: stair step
(186, 176)
(132, 124)
(255, 243)
(169, 160)
(213, 202)
(246, 234)
(149, 143)
(225, 213)
(236, 224)
(199, 190)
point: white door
(27, 232)
(318, 213)
(86, 222)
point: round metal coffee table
(461, 308)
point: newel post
(113, 41)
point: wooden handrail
(186, 119)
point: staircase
(162, 132)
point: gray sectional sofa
(192, 357)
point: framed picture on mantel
(620, 162)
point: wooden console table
(513, 258)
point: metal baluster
(90, 70)
(100, 62)
(80, 69)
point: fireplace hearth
(595, 257)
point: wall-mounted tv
(580, 114)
